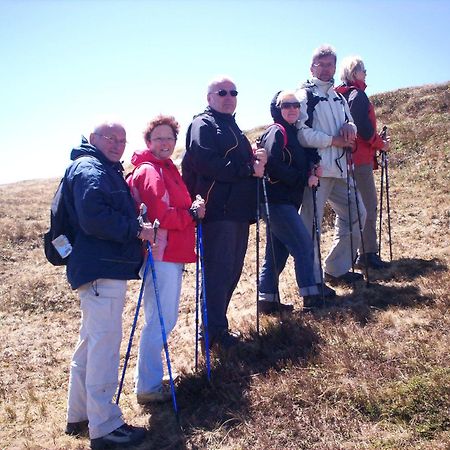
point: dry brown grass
(373, 374)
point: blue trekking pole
(136, 315)
(204, 307)
(197, 295)
(161, 319)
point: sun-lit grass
(372, 374)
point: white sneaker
(163, 394)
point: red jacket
(368, 141)
(159, 185)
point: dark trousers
(225, 244)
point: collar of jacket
(219, 115)
(324, 86)
(142, 156)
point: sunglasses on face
(223, 93)
(289, 105)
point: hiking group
(321, 149)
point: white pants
(95, 362)
(149, 370)
(334, 190)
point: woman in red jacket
(156, 182)
(368, 141)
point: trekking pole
(270, 237)
(257, 255)
(350, 224)
(204, 307)
(316, 232)
(197, 295)
(383, 161)
(143, 211)
(386, 159)
(161, 320)
(355, 186)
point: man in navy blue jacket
(220, 166)
(106, 253)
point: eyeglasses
(325, 66)
(113, 139)
(163, 139)
(289, 105)
(223, 93)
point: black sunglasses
(223, 93)
(288, 105)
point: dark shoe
(348, 278)
(327, 291)
(221, 341)
(373, 261)
(122, 437)
(266, 307)
(311, 302)
(77, 428)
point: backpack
(59, 238)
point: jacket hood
(140, 156)
(86, 149)
(275, 112)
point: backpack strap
(311, 103)
(282, 129)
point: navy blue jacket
(104, 217)
(218, 165)
(288, 167)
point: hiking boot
(225, 340)
(266, 307)
(373, 261)
(327, 291)
(122, 437)
(161, 395)
(77, 428)
(348, 278)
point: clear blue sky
(67, 64)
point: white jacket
(328, 117)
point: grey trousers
(365, 184)
(334, 190)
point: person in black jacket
(219, 164)
(106, 253)
(290, 167)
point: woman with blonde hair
(368, 141)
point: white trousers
(95, 362)
(149, 370)
(334, 190)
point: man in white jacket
(326, 124)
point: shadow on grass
(223, 403)
(407, 269)
(365, 301)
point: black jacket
(218, 165)
(288, 167)
(104, 217)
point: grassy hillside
(371, 374)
